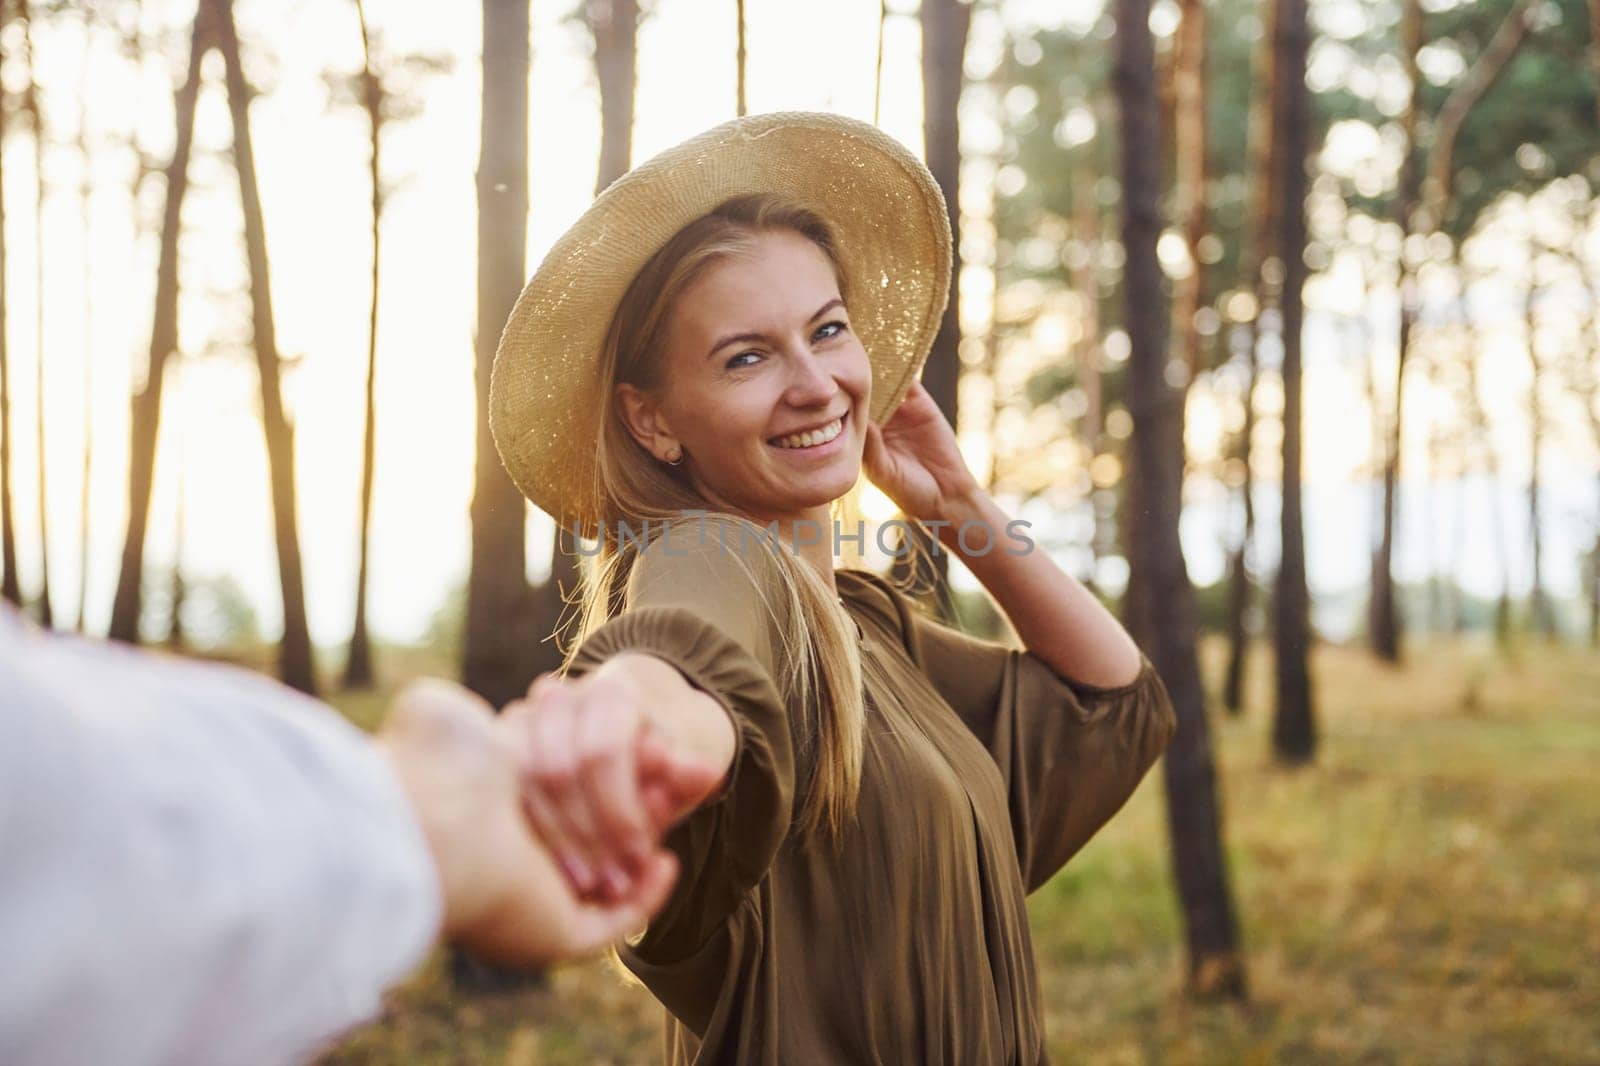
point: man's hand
(504, 898)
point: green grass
(1427, 892)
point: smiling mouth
(811, 438)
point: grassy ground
(1428, 892)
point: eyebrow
(740, 338)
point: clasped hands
(546, 821)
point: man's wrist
(396, 762)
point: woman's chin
(809, 497)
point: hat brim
(893, 234)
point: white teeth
(814, 437)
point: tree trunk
(1488, 458)
(1594, 577)
(1385, 622)
(30, 103)
(1294, 736)
(1540, 613)
(1262, 171)
(175, 634)
(498, 655)
(1189, 172)
(1591, 397)
(10, 586)
(739, 105)
(615, 28)
(85, 195)
(358, 664)
(877, 77)
(1473, 86)
(146, 414)
(944, 47)
(496, 660)
(1086, 225)
(1594, 52)
(294, 653)
(1587, 362)
(1158, 572)
(1432, 522)
(1455, 599)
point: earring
(677, 457)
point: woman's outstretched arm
(602, 763)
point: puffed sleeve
(1071, 754)
(705, 605)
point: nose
(811, 380)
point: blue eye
(838, 326)
(734, 364)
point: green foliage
(1537, 123)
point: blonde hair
(820, 672)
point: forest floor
(1427, 892)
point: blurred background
(1279, 321)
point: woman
(735, 329)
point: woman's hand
(610, 761)
(914, 459)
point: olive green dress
(984, 772)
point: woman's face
(766, 387)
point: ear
(642, 416)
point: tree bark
(358, 664)
(739, 104)
(877, 77)
(615, 28)
(1539, 609)
(1085, 280)
(1588, 356)
(10, 585)
(175, 633)
(1474, 85)
(1262, 171)
(1294, 734)
(146, 415)
(944, 46)
(1488, 457)
(1594, 52)
(496, 661)
(498, 655)
(85, 195)
(30, 103)
(1594, 577)
(1156, 554)
(294, 652)
(1385, 622)
(1189, 172)
(945, 24)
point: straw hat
(893, 234)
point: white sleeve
(196, 865)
